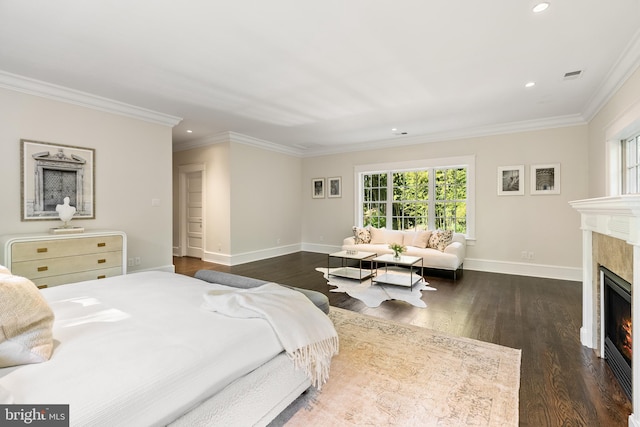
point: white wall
(265, 201)
(505, 225)
(132, 166)
(616, 119)
(252, 208)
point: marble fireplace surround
(610, 237)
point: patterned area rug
(401, 375)
(374, 295)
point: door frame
(183, 171)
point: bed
(137, 350)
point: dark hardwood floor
(562, 383)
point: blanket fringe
(315, 360)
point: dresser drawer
(51, 260)
(46, 282)
(67, 265)
(43, 249)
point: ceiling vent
(572, 75)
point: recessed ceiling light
(189, 131)
(530, 84)
(541, 7)
(394, 129)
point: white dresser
(57, 259)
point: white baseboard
(236, 259)
(586, 339)
(322, 249)
(524, 269)
(217, 258)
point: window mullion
(389, 215)
(431, 199)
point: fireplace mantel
(617, 217)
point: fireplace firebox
(618, 348)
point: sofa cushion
(418, 239)
(362, 235)
(26, 323)
(440, 239)
(377, 236)
(382, 236)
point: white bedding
(138, 350)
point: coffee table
(349, 271)
(389, 277)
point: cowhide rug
(374, 295)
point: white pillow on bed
(4, 270)
(26, 321)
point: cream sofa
(436, 250)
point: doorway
(194, 214)
(191, 200)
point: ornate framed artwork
(52, 172)
(511, 180)
(545, 179)
(317, 188)
(335, 186)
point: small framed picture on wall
(545, 179)
(317, 188)
(511, 180)
(335, 186)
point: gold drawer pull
(42, 250)
(42, 286)
(102, 245)
(102, 261)
(45, 268)
(102, 276)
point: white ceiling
(319, 76)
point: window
(451, 200)
(418, 195)
(631, 165)
(410, 207)
(375, 200)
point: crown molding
(217, 138)
(622, 69)
(71, 96)
(477, 132)
(239, 138)
(265, 145)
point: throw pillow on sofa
(440, 239)
(381, 236)
(361, 235)
(377, 236)
(417, 239)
